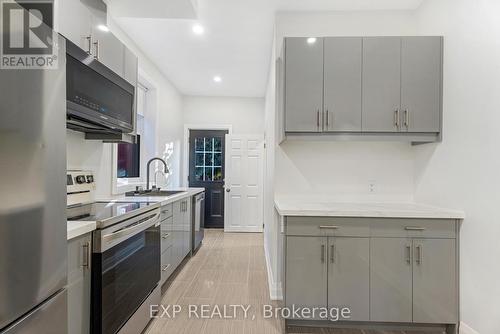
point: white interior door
(244, 183)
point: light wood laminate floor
(228, 269)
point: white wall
(246, 115)
(464, 170)
(343, 171)
(97, 156)
(339, 170)
(345, 168)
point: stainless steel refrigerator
(33, 246)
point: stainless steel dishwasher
(198, 221)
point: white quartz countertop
(303, 206)
(163, 200)
(76, 228)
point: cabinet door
(187, 226)
(76, 28)
(342, 96)
(303, 84)
(421, 83)
(381, 83)
(390, 280)
(349, 276)
(79, 276)
(435, 281)
(306, 272)
(130, 67)
(177, 234)
(108, 49)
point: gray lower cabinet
(306, 272)
(342, 85)
(435, 283)
(79, 278)
(303, 84)
(383, 269)
(349, 276)
(390, 280)
(381, 84)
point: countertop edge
(76, 229)
(438, 214)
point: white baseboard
(275, 292)
(466, 329)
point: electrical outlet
(372, 186)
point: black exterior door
(207, 151)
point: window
(208, 155)
(128, 159)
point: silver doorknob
(228, 190)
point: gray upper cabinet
(79, 278)
(76, 28)
(349, 276)
(131, 66)
(390, 280)
(107, 48)
(303, 85)
(306, 272)
(435, 281)
(342, 85)
(364, 85)
(421, 75)
(86, 31)
(381, 84)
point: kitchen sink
(159, 193)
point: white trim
(185, 159)
(275, 291)
(466, 329)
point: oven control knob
(80, 179)
(90, 178)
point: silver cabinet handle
(419, 255)
(414, 228)
(89, 41)
(317, 119)
(96, 47)
(327, 119)
(322, 253)
(407, 118)
(86, 255)
(396, 118)
(332, 254)
(329, 227)
(408, 254)
(166, 267)
(165, 236)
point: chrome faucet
(165, 169)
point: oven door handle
(131, 229)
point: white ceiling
(236, 44)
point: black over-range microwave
(98, 99)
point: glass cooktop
(99, 211)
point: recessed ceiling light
(102, 27)
(311, 40)
(217, 78)
(198, 29)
